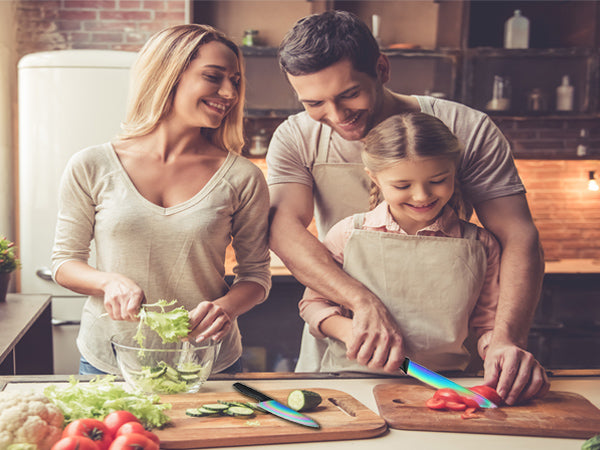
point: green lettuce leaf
(101, 396)
(171, 326)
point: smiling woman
(164, 199)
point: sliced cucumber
(189, 368)
(155, 372)
(239, 411)
(200, 412)
(172, 374)
(303, 400)
(188, 378)
(217, 407)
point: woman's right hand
(122, 298)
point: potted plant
(8, 264)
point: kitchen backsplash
(565, 211)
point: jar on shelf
(249, 38)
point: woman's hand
(122, 298)
(209, 320)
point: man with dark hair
(335, 67)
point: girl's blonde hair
(410, 135)
(156, 75)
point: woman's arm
(122, 296)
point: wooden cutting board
(558, 414)
(340, 416)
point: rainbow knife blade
(274, 407)
(438, 381)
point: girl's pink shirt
(314, 309)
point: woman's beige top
(172, 253)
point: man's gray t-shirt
(486, 168)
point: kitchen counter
(586, 383)
(25, 330)
(573, 266)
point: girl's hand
(122, 298)
(209, 320)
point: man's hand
(377, 342)
(514, 373)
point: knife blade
(274, 407)
(438, 381)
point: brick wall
(566, 213)
(45, 25)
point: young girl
(436, 274)
(163, 201)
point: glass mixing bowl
(180, 367)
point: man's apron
(339, 190)
(342, 189)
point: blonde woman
(163, 201)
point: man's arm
(517, 374)
(377, 340)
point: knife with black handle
(274, 407)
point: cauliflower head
(29, 418)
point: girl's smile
(416, 190)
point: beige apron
(431, 293)
(340, 190)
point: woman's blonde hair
(156, 75)
(410, 135)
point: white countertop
(362, 390)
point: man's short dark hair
(320, 40)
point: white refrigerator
(68, 100)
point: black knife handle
(253, 393)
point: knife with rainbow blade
(438, 381)
(274, 407)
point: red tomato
(133, 441)
(469, 414)
(455, 406)
(448, 395)
(436, 403)
(153, 437)
(136, 427)
(489, 393)
(75, 443)
(92, 429)
(471, 403)
(130, 427)
(115, 419)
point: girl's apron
(429, 284)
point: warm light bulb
(592, 183)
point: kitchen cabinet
(566, 328)
(271, 331)
(528, 70)
(25, 335)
